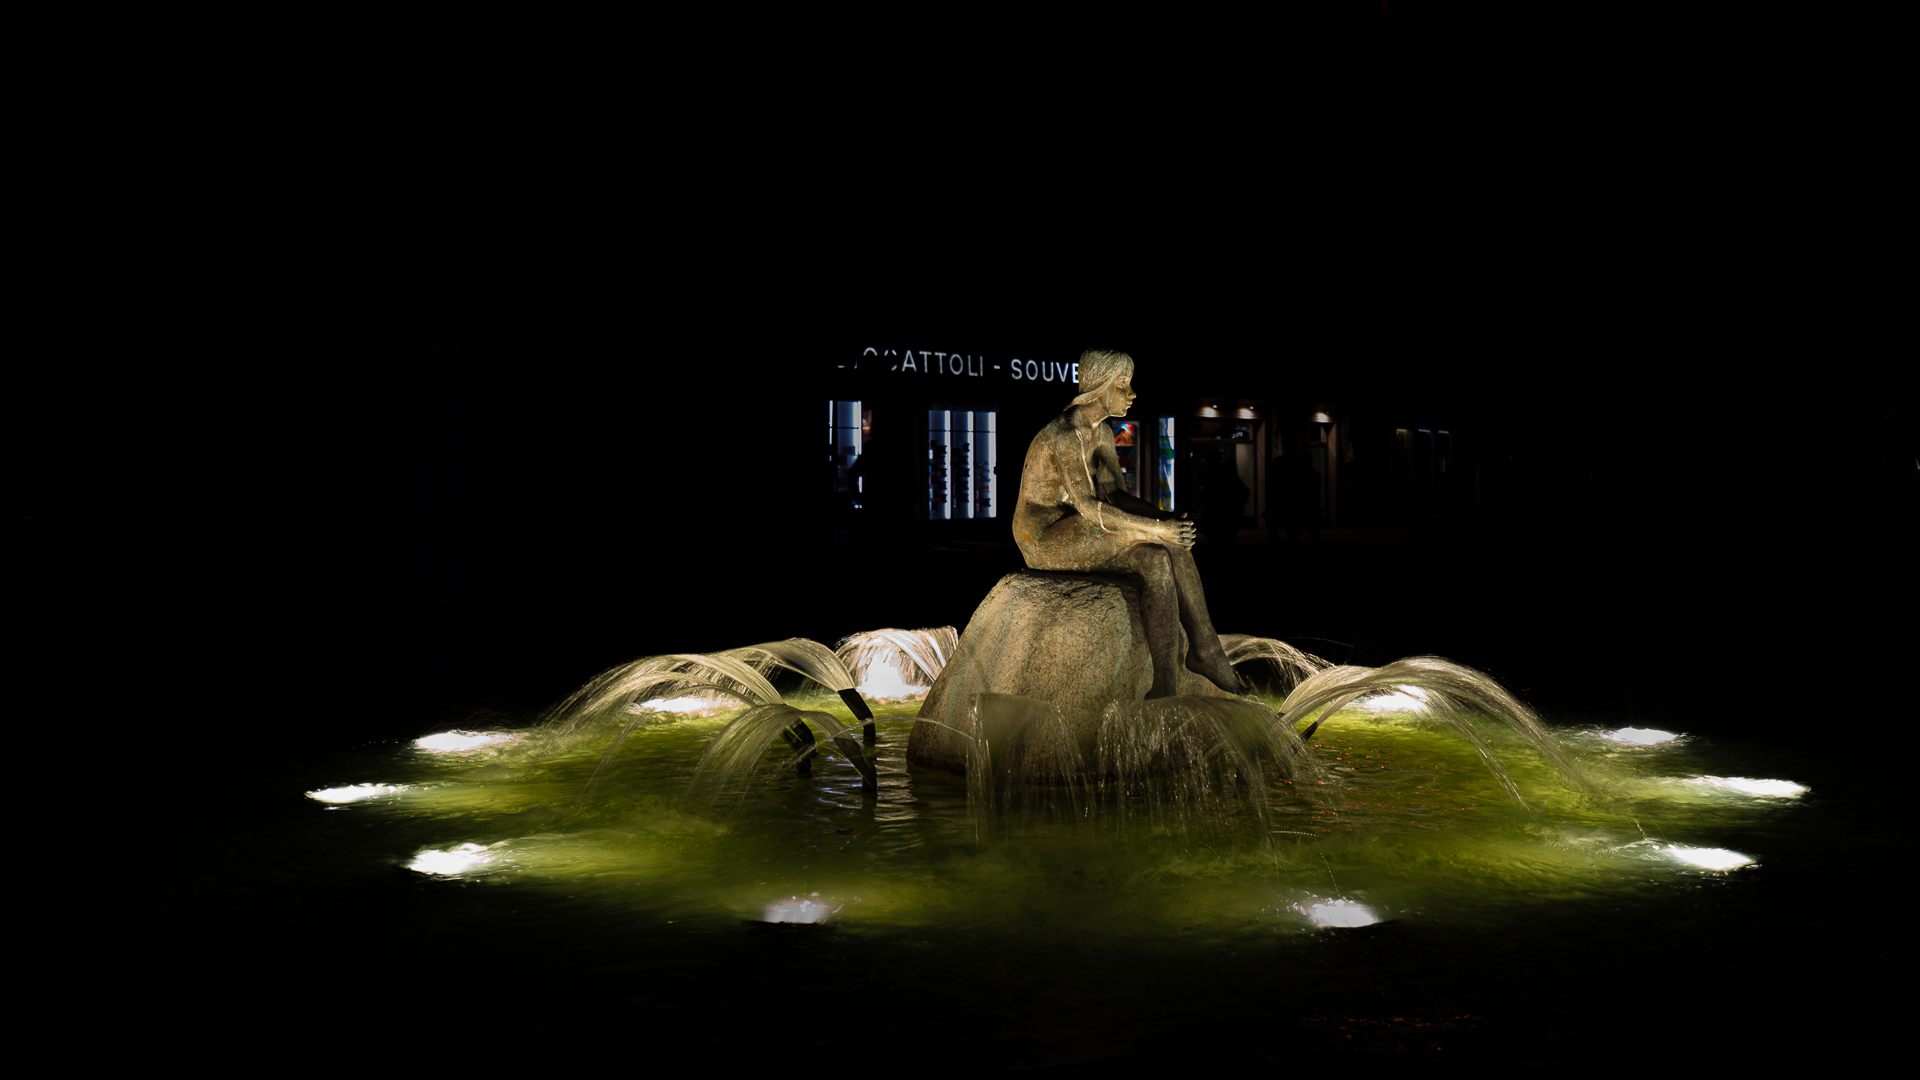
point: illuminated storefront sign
(959, 477)
(933, 362)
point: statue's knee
(1150, 559)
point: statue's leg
(1160, 610)
(1204, 654)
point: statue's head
(1101, 372)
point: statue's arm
(1077, 474)
(1107, 474)
(1127, 501)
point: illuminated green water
(1406, 820)
(1069, 935)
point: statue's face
(1120, 397)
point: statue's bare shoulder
(1053, 460)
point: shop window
(963, 464)
(1125, 445)
(846, 427)
(1163, 460)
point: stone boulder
(1074, 641)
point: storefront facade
(935, 439)
(940, 436)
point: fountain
(1396, 821)
(1103, 862)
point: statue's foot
(1221, 674)
(1232, 686)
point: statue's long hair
(1098, 370)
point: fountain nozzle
(858, 705)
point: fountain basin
(1507, 933)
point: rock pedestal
(1075, 641)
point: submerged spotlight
(690, 704)
(354, 792)
(453, 742)
(794, 909)
(883, 681)
(1335, 913)
(1402, 699)
(1710, 858)
(1641, 736)
(1785, 789)
(457, 860)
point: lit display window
(1163, 460)
(1125, 440)
(846, 428)
(962, 465)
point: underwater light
(1641, 736)
(453, 742)
(685, 705)
(455, 861)
(1777, 788)
(883, 681)
(1404, 699)
(354, 792)
(1339, 913)
(1710, 858)
(794, 909)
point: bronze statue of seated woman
(1073, 514)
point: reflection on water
(1397, 821)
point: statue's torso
(1048, 525)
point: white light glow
(701, 705)
(798, 910)
(453, 742)
(1710, 858)
(1408, 699)
(1339, 913)
(354, 792)
(457, 860)
(1785, 789)
(1641, 736)
(883, 681)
